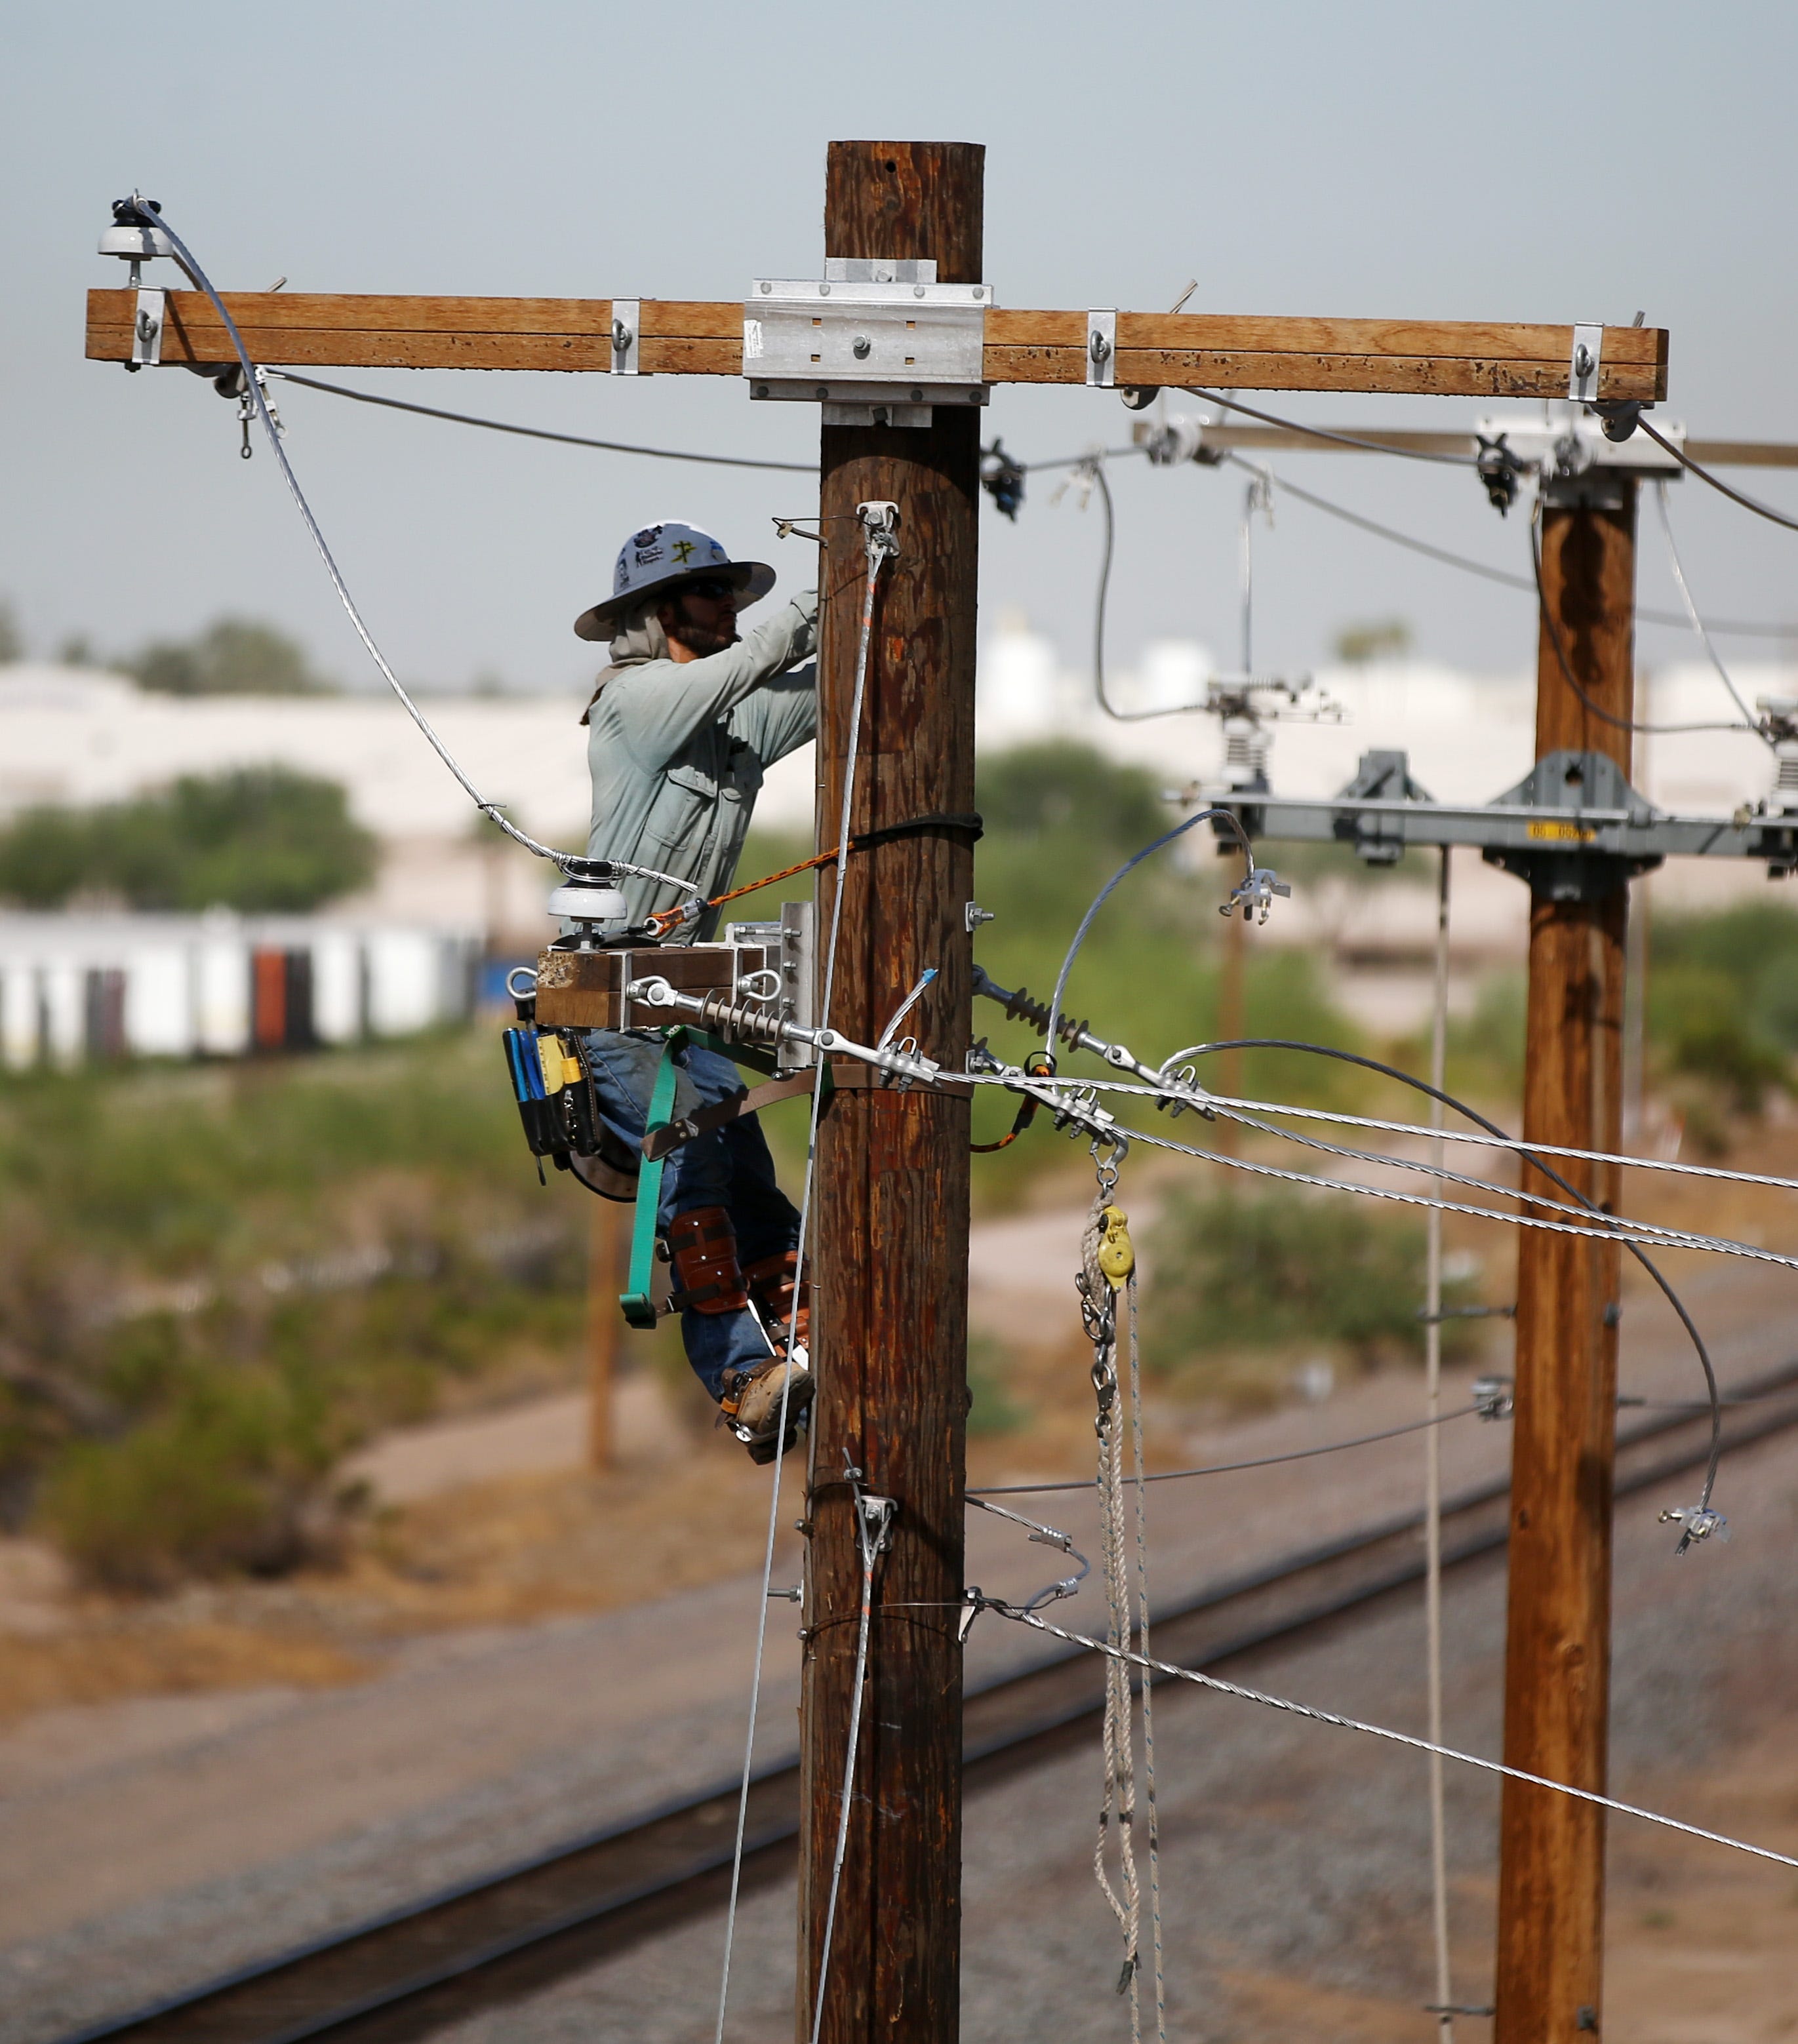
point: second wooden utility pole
(890, 1227)
(1558, 1665)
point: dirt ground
(514, 1648)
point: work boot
(770, 1280)
(750, 1405)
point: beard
(685, 630)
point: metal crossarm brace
(1574, 824)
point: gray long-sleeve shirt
(677, 750)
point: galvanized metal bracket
(876, 341)
(627, 317)
(789, 943)
(1573, 827)
(1101, 350)
(1584, 363)
(146, 329)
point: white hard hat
(660, 558)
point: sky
(1384, 158)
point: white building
(75, 987)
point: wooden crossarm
(1454, 359)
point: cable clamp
(1101, 350)
(1493, 1397)
(146, 327)
(1584, 363)
(880, 529)
(1698, 1522)
(627, 318)
(1256, 889)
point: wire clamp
(1697, 1521)
(880, 529)
(1493, 1397)
(1256, 889)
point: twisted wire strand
(1200, 1679)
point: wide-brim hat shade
(659, 561)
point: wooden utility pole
(890, 1251)
(1558, 1657)
(890, 1255)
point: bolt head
(861, 347)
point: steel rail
(492, 1941)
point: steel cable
(880, 549)
(1201, 1680)
(568, 861)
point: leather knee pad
(702, 1249)
(770, 1279)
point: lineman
(681, 724)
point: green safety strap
(638, 1301)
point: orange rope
(667, 919)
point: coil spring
(738, 1018)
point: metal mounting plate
(863, 338)
(1101, 350)
(627, 315)
(1584, 363)
(146, 329)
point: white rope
(1116, 1834)
(1147, 1682)
(1433, 1478)
(877, 558)
(1310, 1711)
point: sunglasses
(714, 586)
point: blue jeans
(728, 1167)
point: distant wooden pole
(1558, 1649)
(1230, 966)
(890, 1230)
(604, 1279)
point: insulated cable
(568, 861)
(1553, 630)
(1460, 1107)
(1691, 611)
(1736, 628)
(1336, 440)
(1231, 1468)
(539, 432)
(1129, 865)
(1685, 461)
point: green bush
(1722, 999)
(234, 656)
(225, 1479)
(1272, 1272)
(991, 1409)
(359, 1236)
(259, 839)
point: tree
(1383, 638)
(12, 639)
(259, 839)
(232, 656)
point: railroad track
(496, 1939)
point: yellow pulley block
(1117, 1253)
